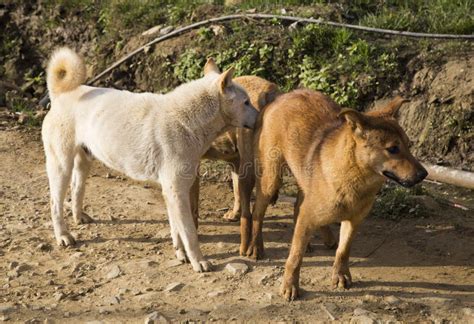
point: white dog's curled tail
(66, 71)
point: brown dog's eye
(247, 102)
(393, 149)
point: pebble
(360, 311)
(237, 268)
(59, 296)
(114, 300)
(152, 30)
(173, 263)
(45, 247)
(370, 298)
(155, 317)
(174, 286)
(362, 319)
(13, 265)
(4, 318)
(114, 272)
(392, 300)
(216, 293)
(468, 311)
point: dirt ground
(123, 265)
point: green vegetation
(395, 202)
(334, 61)
(352, 67)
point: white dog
(143, 135)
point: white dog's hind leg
(78, 184)
(59, 175)
(176, 193)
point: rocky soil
(123, 269)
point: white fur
(144, 135)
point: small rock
(23, 267)
(155, 318)
(149, 263)
(114, 300)
(360, 311)
(173, 263)
(174, 286)
(6, 308)
(13, 265)
(114, 272)
(48, 321)
(237, 268)
(152, 31)
(370, 298)
(4, 318)
(59, 296)
(468, 311)
(45, 247)
(392, 300)
(216, 293)
(362, 319)
(166, 30)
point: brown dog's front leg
(341, 276)
(290, 285)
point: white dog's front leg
(179, 211)
(177, 243)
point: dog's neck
(351, 176)
(199, 115)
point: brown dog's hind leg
(341, 276)
(268, 184)
(296, 211)
(233, 215)
(246, 184)
(290, 284)
(328, 237)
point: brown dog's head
(235, 105)
(382, 145)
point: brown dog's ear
(211, 66)
(225, 80)
(354, 118)
(390, 109)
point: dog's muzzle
(420, 175)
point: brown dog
(236, 147)
(340, 159)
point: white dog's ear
(211, 67)
(225, 80)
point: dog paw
(230, 216)
(341, 279)
(289, 291)
(84, 219)
(202, 266)
(181, 255)
(254, 252)
(243, 250)
(65, 240)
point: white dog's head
(234, 102)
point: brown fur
(236, 147)
(339, 158)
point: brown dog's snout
(421, 174)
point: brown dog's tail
(66, 71)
